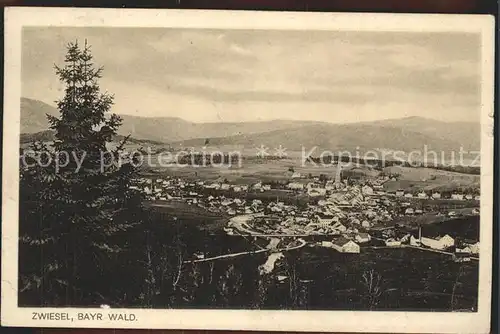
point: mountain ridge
(335, 137)
(33, 119)
(408, 133)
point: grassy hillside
(33, 115)
(335, 137)
(464, 133)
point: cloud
(215, 70)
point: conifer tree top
(83, 124)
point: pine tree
(76, 214)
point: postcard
(245, 170)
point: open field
(268, 170)
(429, 179)
(187, 214)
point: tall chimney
(420, 233)
(338, 175)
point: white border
(340, 321)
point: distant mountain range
(161, 129)
(405, 134)
(337, 137)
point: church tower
(338, 174)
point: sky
(252, 75)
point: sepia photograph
(247, 170)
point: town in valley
(233, 176)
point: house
(475, 211)
(447, 241)
(330, 185)
(419, 211)
(237, 189)
(344, 203)
(296, 175)
(344, 245)
(400, 193)
(409, 211)
(440, 243)
(352, 230)
(322, 202)
(339, 227)
(256, 202)
(295, 186)
(226, 202)
(327, 244)
(314, 192)
(363, 237)
(469, 197)
(313, 185)
(408, 195)
(391, 242)
(436, 195)
(422, 195)
(452, 214)
(225, 186)
(276, 209)
(281, 278)
(405, 238)
(357, 200)
(324, 219)
(257, 186)
(355, 221)
(266, 187)
(415, 241)
(366, 224)
(466, 250)
(370, 213)
(367, 190)
(474, 248)
(477, 198)
(457, 196)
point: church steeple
(338, 174)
